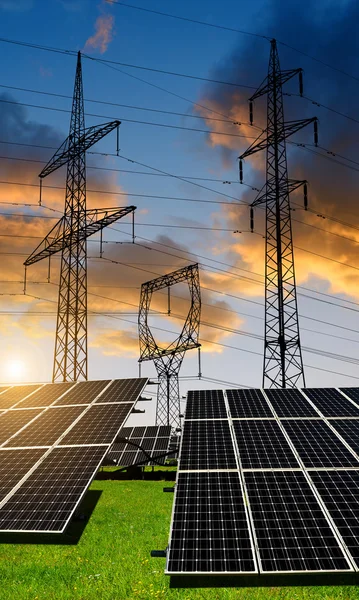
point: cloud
(103, 34)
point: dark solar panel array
(14, 394)
(206, 404)
(295, 468)
(290, 403)
(247, 404)
(154, 440)
(331, 402)
(352, 393)
(49, 454)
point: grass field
(111, 559)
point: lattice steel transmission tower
(69, 236)
(168, 360)
(283, 364)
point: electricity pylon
(168, 360)
(283, 364)
(69, 236)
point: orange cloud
(103, 34)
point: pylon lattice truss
(283, 364)
(69, 236)
(168, 360)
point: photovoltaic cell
(14, 464)
(349, 430)
(13, 420)
(206, 404)
(353, 393)
(331, 403)
(99, 425)
(45, 395)
(83, 393)
(123, 390)
(292, 532)
(340, 492)
(317, 445)
(207, 445)
(262, 445)
(16, 393)
(47, 428)
(47, 499)
(210, 531)
(290, 403)
(248, 403)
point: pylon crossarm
(284, 188)
(282, 78)
(64, 235)
(73, 147)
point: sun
(15, 369)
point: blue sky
(139, 38)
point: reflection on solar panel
(206, 404)
(291, 530)
(45, 395)
(290, 403)
(248, 403)
(332, 403)
(155, 440)
(16, 393)
(294, 513)
(49, 455)
(210, 531)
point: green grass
(111, 560)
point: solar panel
(248, 404)
(14, 464)
(349, 430)
(122, 390)
(14, 394)
(340, 492)
(210, 532)
(352, 393)
(291, 530)
(262, 445)
(317, 445)
(43, 485)
(13, 420)
(206, 404)
(207, 445)
(98, 425)
(47, 499)
(290, 403)
(46, 428)
(155, 440)
(84, 392)
(331, 402)
(46, 395)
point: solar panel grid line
(23, 427)
(341, 391)
(339, 491)
(343, 440)
(348, 431)
(296, 404)
(75, 503)
(246, 404)
(13, 391)
(29, 473)
(85, 391)
(351, 393)
(306, 520)
(330, 402)
(53, 391)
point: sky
(180, 139)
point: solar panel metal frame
(56, 445)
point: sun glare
(16, 369)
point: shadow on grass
(136, 473)
(73, 532)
